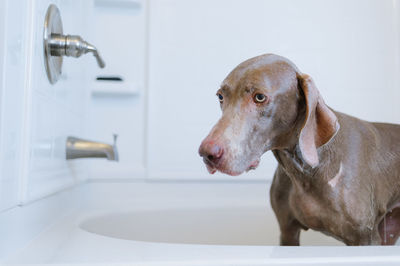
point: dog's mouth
(212, 169)
(253, 165)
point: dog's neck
(293, 163)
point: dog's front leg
(290, 234)
(279, 195)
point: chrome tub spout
(79, 148)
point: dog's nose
(211, 152)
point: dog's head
(266, 104)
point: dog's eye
(220, 97)
(259, 98)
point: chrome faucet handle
(75, 46)
(72, 45)
(56, 45)
(96, 54)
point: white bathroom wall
(36, 117)
(119, 107)
(12, 69)
(3, 182)
(349, 47)
(57, 111)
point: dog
(336, 174)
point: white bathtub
(217, 223)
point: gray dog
(337, 174)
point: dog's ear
(320, 123)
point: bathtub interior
(229, 225)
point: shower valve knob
(72, 45)
(56, 45)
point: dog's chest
(317, 212)
(307, 210)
